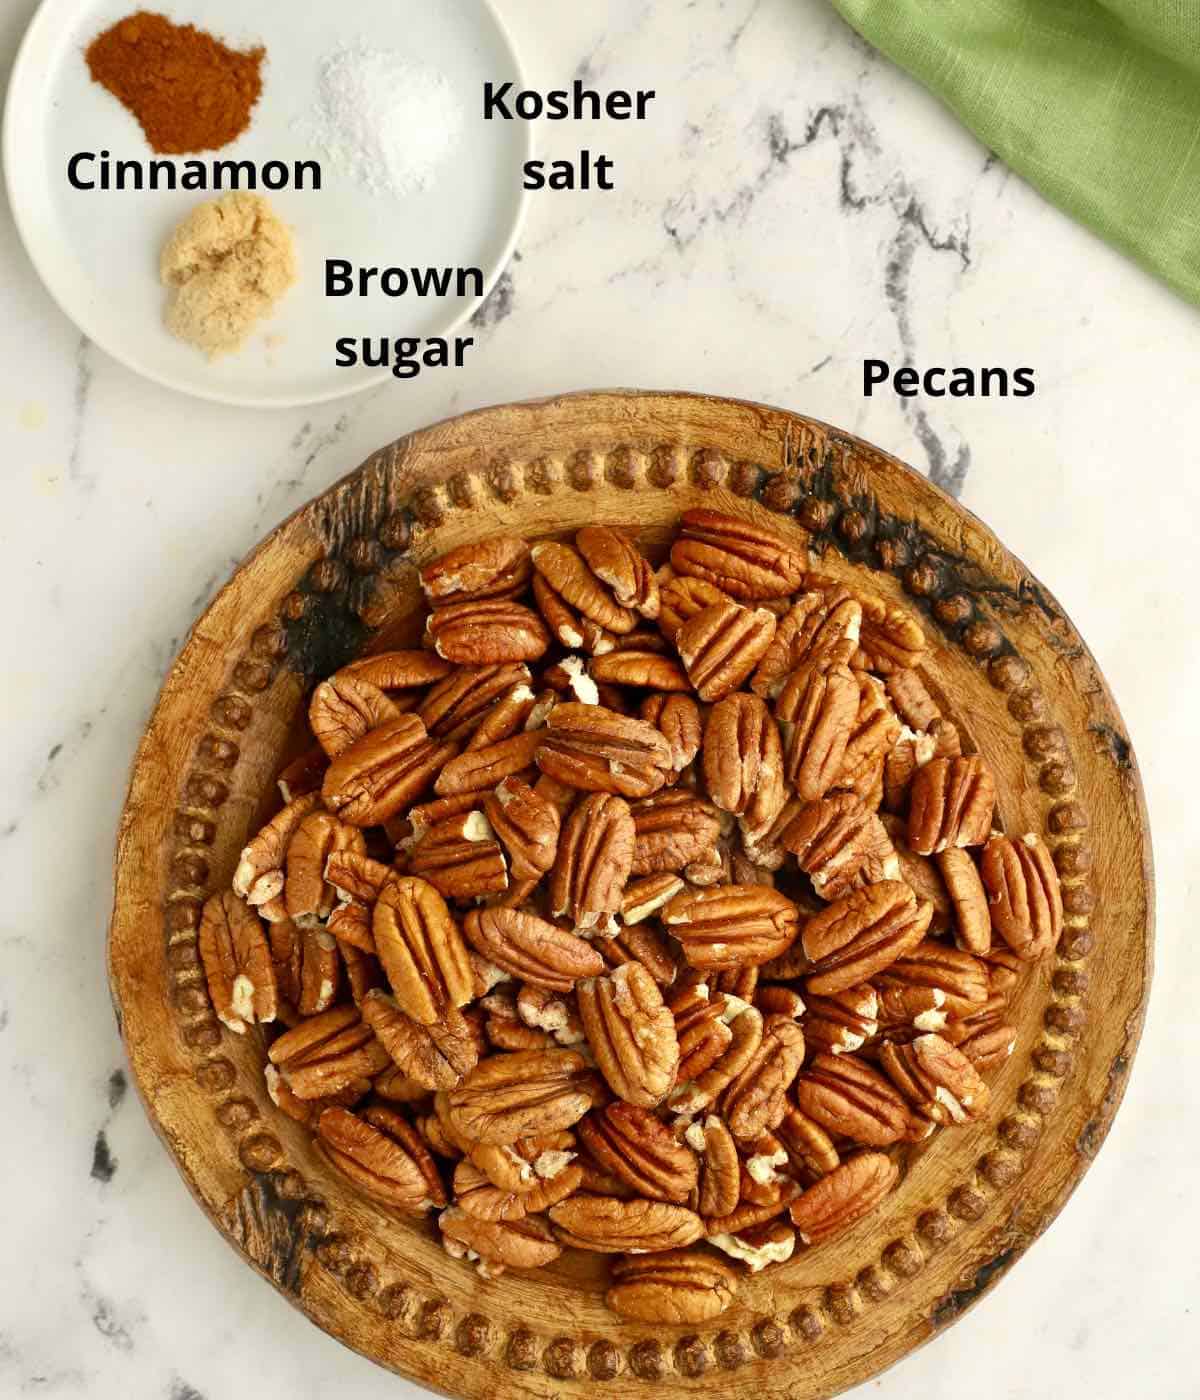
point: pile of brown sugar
(189, 91)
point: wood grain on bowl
(339, 579)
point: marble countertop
(795, 205)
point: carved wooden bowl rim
(318, 587)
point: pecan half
(973, 925)
(677, 719)
(421, 949)
(307, 894)
(528, 1243)
(511, 1096)
(755, 1101)
(564, 570)
(913, 702)
(844, 1197)
(681, 597)
(722, 644)
(344, 708)
(743, 762)
(713, 1052)
(817, 709)
(461, 858)
(480, 1197)
(259, 877)
(607, 1225)
(891, 639)
(852, 1100)
(1023, 893)
(961, 977)
(841, 1023)
(326, 1054)
(819, 630)
(719, 1185)
(457, 706)
(398, 670)
(631, 1033)
(732, 925)
(838, 842)
(644, 669)
(676, 1286)
(486, 633)
(861, 934)
(640, 1150)
(811, 1150)
(237, 962)
(383, 1155)
(434, 1056)
(938, 1081)
(478, 770)
(384, 771)
(671, 831)
(527, 825)
(985, 1036)
(743, 559)
(591, 868)
(950, 804)
(634, 943)
(532, 949)
(593, 749)
(617, 562)
(872, 735)
(497, 567)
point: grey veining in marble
(792, 206)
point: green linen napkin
(1094, 102)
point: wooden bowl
(340, 576)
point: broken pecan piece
(756, 1101)
(677, 719)
(456, 707)
(1023, 893)
(307, 894)
(461, 858)
(527, 825)
(564, 570)
(843, 1022)
(259, 877)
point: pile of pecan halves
(648, 912)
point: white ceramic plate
(97, 251)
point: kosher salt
(387, 123)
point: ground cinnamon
(189, 91)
